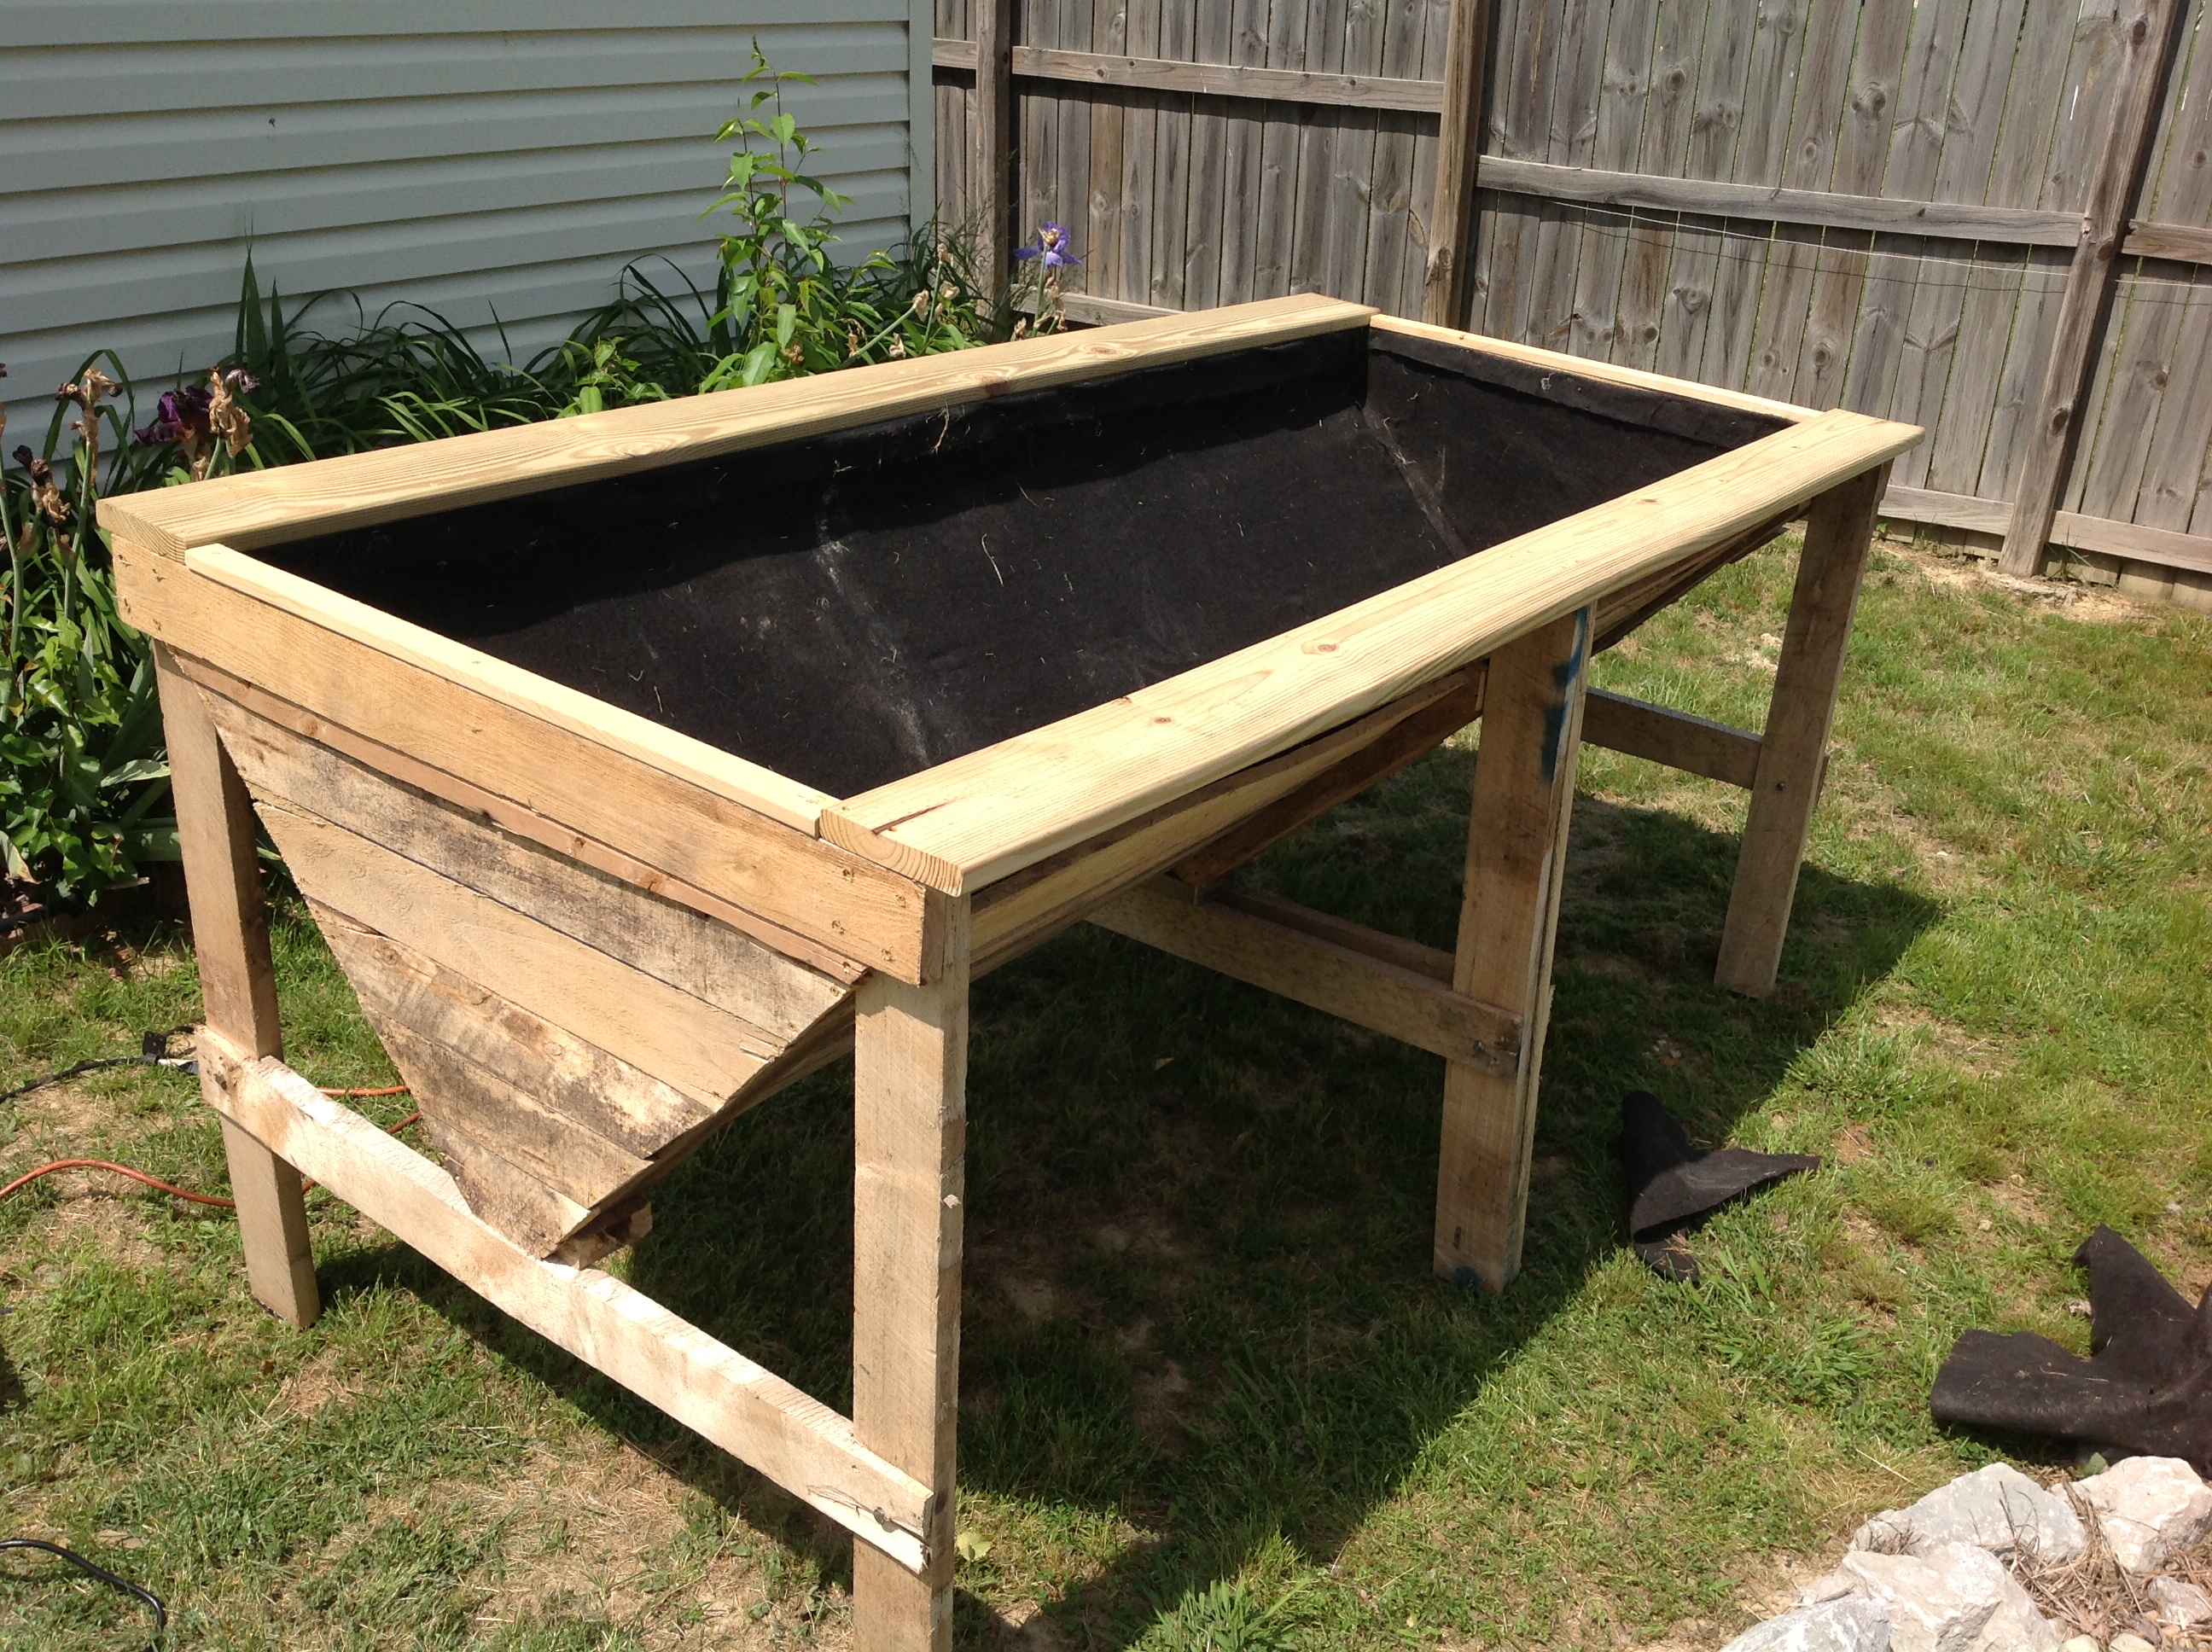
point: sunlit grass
(1210, 1393)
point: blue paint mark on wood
(1563, 677)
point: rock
(2149, 1508)
(1831, 1587)
(1997, 1508)
(1850, 1623)
(2182, 1604)
(2084, 1643)
(1952, 1597)
(2130, 1643)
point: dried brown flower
(229, 422)
(45, 496)
(87, 393)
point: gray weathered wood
(2148, 42)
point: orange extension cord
(160, 1186)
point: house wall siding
(476, 158)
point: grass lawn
(1212, 1396)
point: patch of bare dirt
(2092, 605)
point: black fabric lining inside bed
(854, 608)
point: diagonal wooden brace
(788, 1436)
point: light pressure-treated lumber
(224, 690)
(1792, 751)
(789, 1437)
(685, 1041)
(1458, 150)
(1216, 79)
(1693, 744)
(910, 1131)
(965, 823)
(1015, 914)
(1607, 373)
(671, 943)
(255, 509)
(1349, 776)
(2147, 43)
(238, 985)
(1354, 984)
(1516, 849)
(865, 912)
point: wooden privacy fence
(1990, 217)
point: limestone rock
(1849, 1623)
(2181, 1604)
(1829, 1586)
(1952, 1597)
(2149, 1508)
(2084, 1643)
(2130, 1643)
(1997, 1508)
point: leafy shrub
(83, 780)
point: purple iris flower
(180, 413)
(1051, 243)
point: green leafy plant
(83, 783)
(81, 773)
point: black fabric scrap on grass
(1671, 1183)
(2146, 1386)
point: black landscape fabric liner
(850, 609)
(1671, 1183)
(2146, 1386)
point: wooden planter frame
(497, 817)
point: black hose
(154, 1052)
(123, 1584)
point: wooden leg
(910, 1126)
(1516, 846)
(1838, 530)
(238, 984)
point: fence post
(1458, 150)
(995, 127)
(2086, 305)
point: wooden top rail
(966, 823)
(266, 507)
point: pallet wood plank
(552, 773)
(598, 1092)
(1524, 785)
(706, 1052)
(669, 942)
(790, 1437)
(968, 823)
(1352, 985)
(238, 984)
